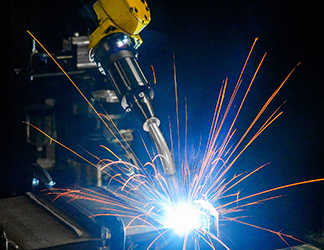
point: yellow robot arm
(120, 16)
(112, 49)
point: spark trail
(203, 184)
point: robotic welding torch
(113, 48)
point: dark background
(210, 40)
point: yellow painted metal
(126, 16)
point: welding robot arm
(112, 47)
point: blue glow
(182, 218)
(35, 182)
(185, 217)
(123, 42)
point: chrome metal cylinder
(115, 57)
(152, 126)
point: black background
(210, 40)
